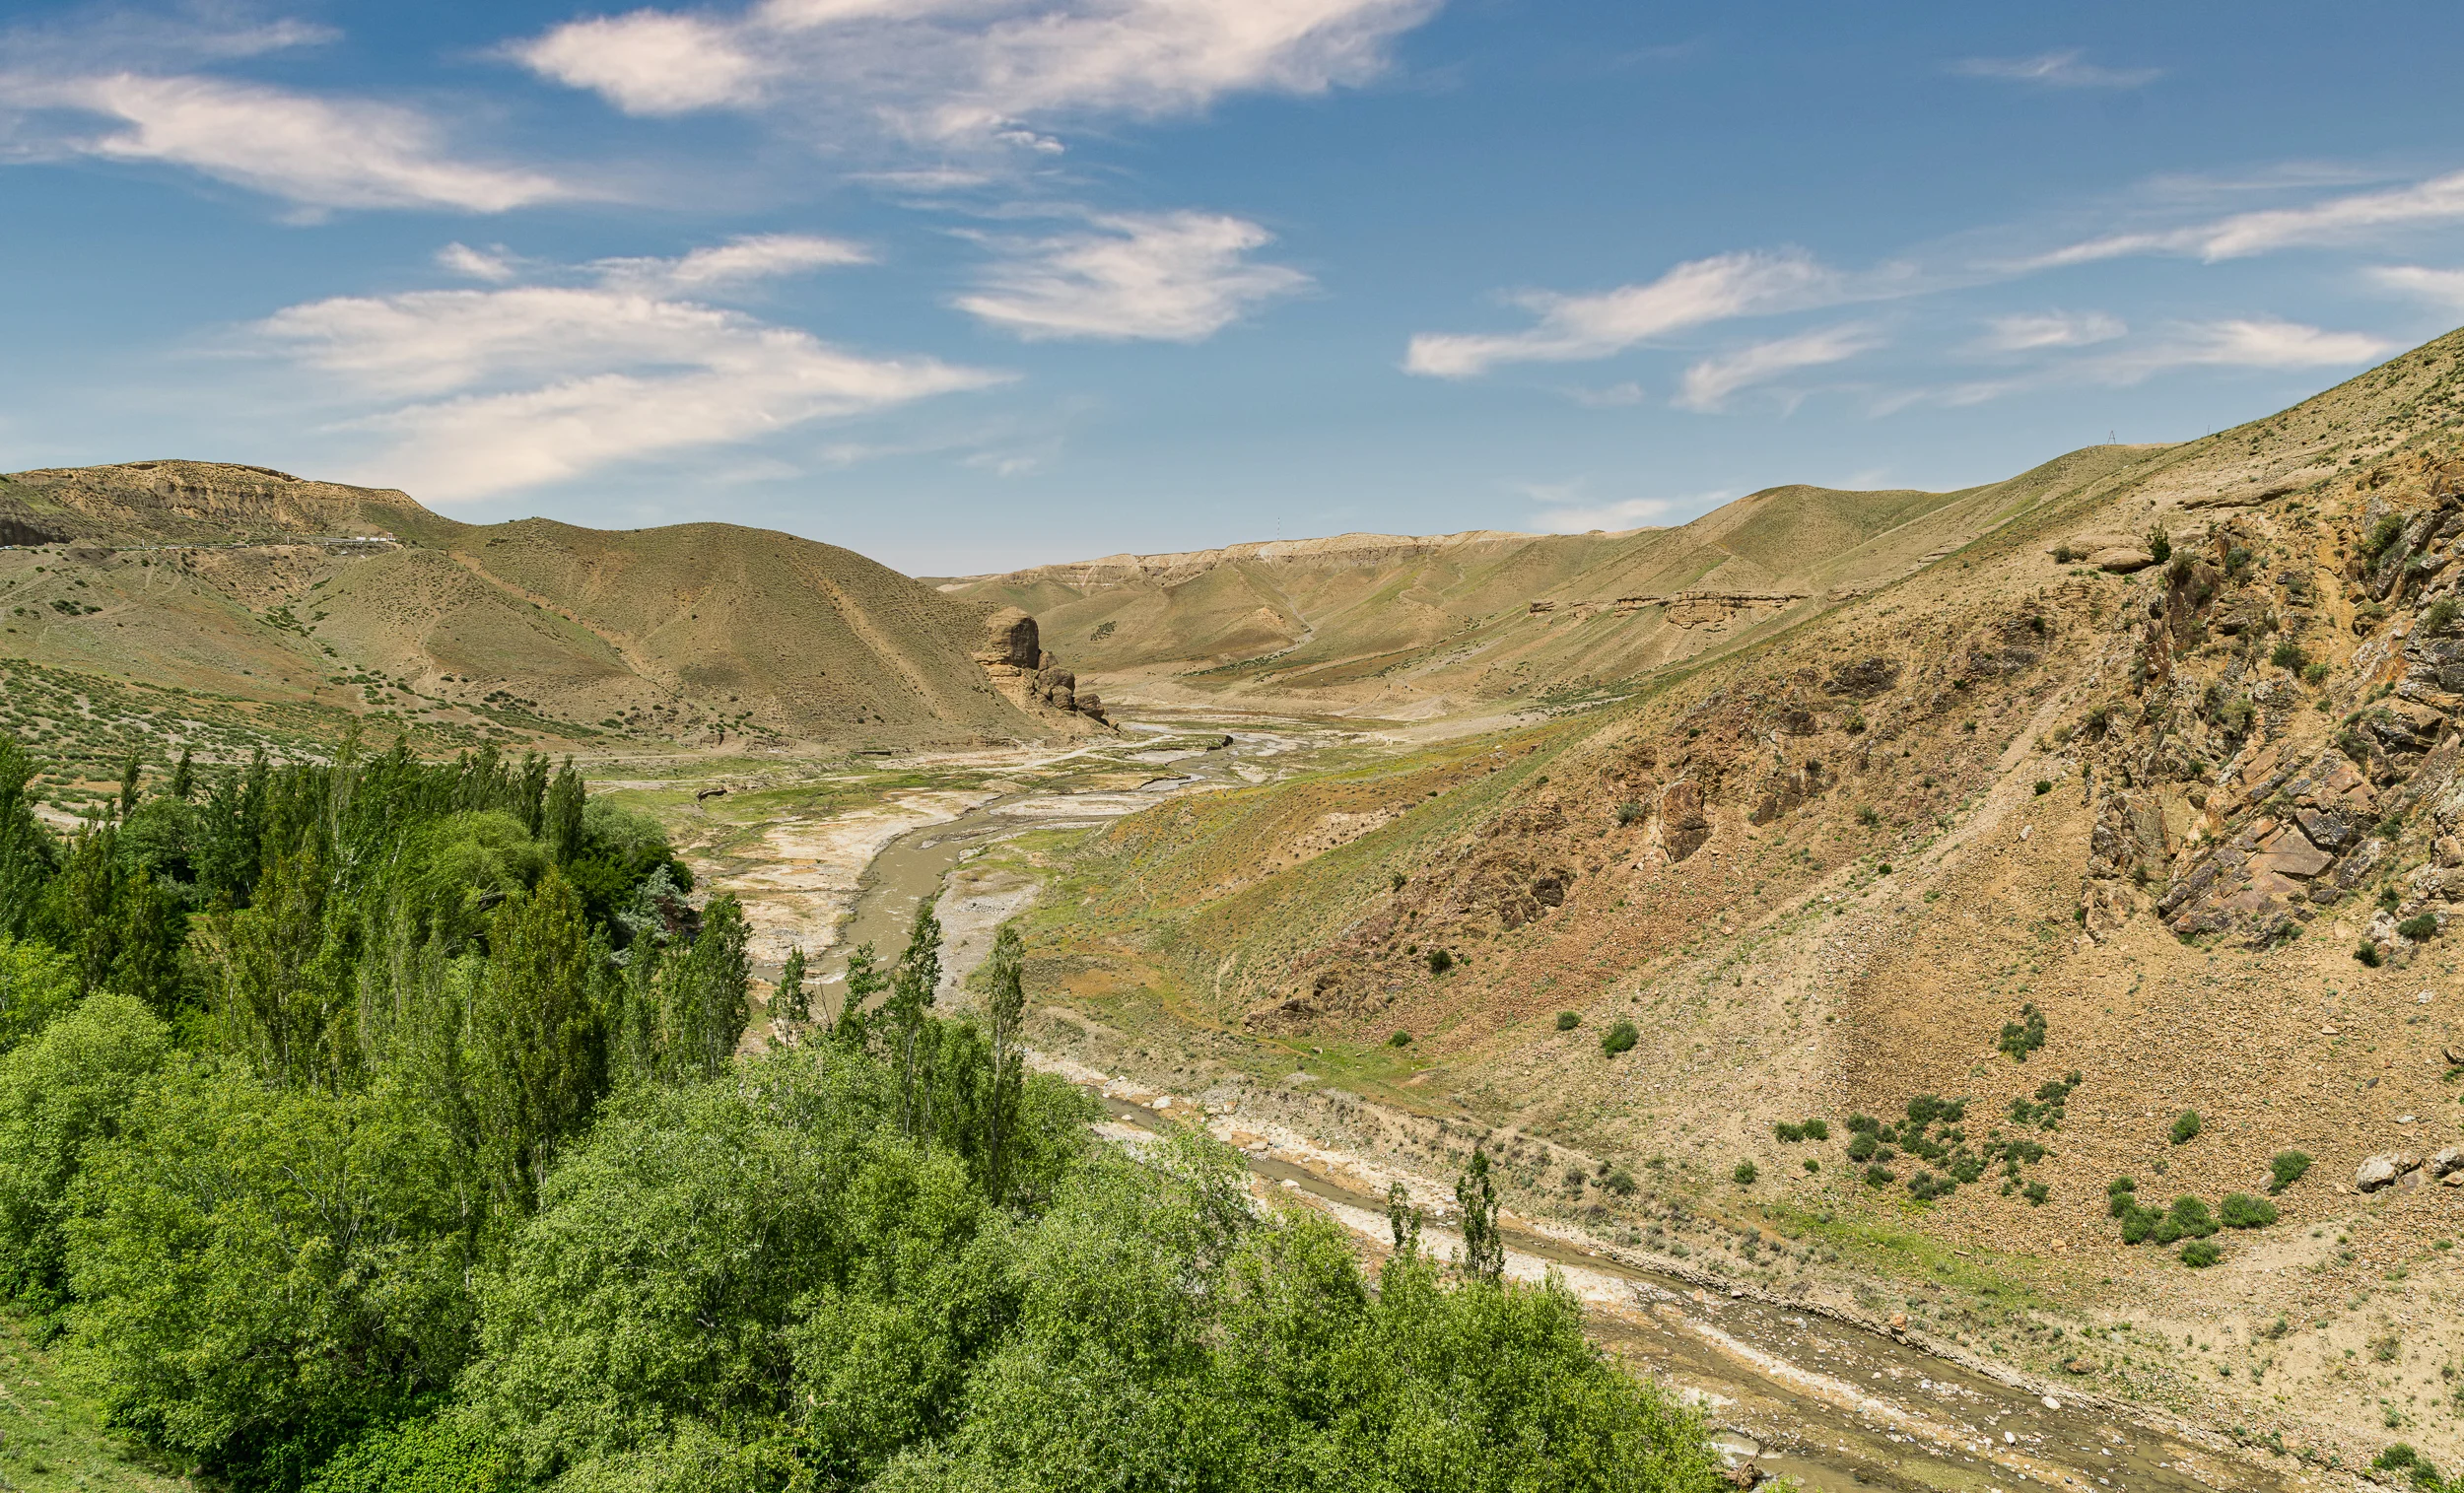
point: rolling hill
(242, 600)
(1406, 628)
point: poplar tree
(791, 1002)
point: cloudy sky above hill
(967, 284)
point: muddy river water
(1837, 1405)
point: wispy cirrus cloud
(1709, 383)
(2058, 69)
(2443, 288)
(317, 153)
(2035, 331)
(475, 393)
(1578, 327)
(979, 71)
(1170, 277)
(1567, 507)
(2351, 218)
(2253, 342)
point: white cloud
(483, 391)
(649, 62)
(2030, 331)
(2443, 288)
(1710, 383)
(2357, 217)
(493, 264)
(2062, 69)
(1173, 276)
(760, 256)
(1574, 327)
(1563, 509)
(951, 70)
(320, 152)
(1614, 396)
(2262, 342)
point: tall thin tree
(912, 984)
(1483, 1251)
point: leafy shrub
(1785, 1130)
(1567, 1021)
(2288, 655)
(1399, 1040)
(1619, 1038)
(2186, 1126)
(1862, 1147)
(2382, 534)
(2047, 1109)
(2188, 1218)
(2159, 545)
(2419, 930)
(2286, 1169)
(435, 1454)
(2440, 616)
(1926, 1186)
(2240, 1210)
(2044, 786)
(2121, 1196)
(1878, 1176)
(1817, 1130)
(1630, 811)
(1868, 816)
(2063, 554)
(1620, 1180)
(1440, 960)
(1744, 1174)
(2314, 673)
(2023, 1036)
(2037, 1192)
(2366, 952)
(2199, 1253)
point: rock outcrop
(1012, 656)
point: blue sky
(971, 283)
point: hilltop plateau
(2068, 848)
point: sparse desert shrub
(2382, 534)
(2199, 1253)
(1567, 1021)
(2023, 1036)
(1817, 1130)
(2240, 1210)
(2286, 1169)
(2440, 616)
(2188, 1218)
(2385, 1348)
(1813, 1165)
(1868, 816)
(2159, 545)
(1785, 1130)
(2419, 930)
(1396, 881)
(1882, 869)
(2037, 1192)
(1440, 960)
(1744, 1174)
(2121, 1196)
(1862, 1147)
(2366, 952)
(1619, 1038)
(2237, 561)
(1399, 1040)
(2186, 1126)
(2314, 673)
(1630, 811)
(2044, 786)
(1878, 1176)
(2288, 655)
(1925, 1187)
(2063, 554)
(1620, 1181)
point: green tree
(67, 1089)
(27, 856)
(914, 981)
(539, 1046)
(131, 771)
(792, 1003)
(851, 1031)
(38, 984)
(278, 1006)
(1483, 1250)
(563, 815)
(704, 992)
(184, 778)
(1006, 1005)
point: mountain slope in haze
(2079, 852)
(1381, 624)
(248, 583)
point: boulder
(2446, 1163)
(2121, 560)
(2383, 1170)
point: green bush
(2186, 1126)
(1629, 811)
(2120, 1196)
(2240, 1210)
(2288, 655)
(2286, 1169)
(2382, 534)
(1620, 1180)
(2188, 1218)
(2367, 952)
(1817, 1130)
(2044, 786)
(2159, 545)
(1861, 1146)
(1567, 1021)
(1744, 1174)
(1440, 960)
(2419, 930)
(1399, 1040)
(1619, 1038)
(2037, 1192)
(2440, 616)
(432, 1453)
(2199, 1253)
(2024, 1036)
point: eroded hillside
(1998, 872)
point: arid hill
(1378, 625)
(2123, 839)
(259, 588)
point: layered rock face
(1012, 656)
